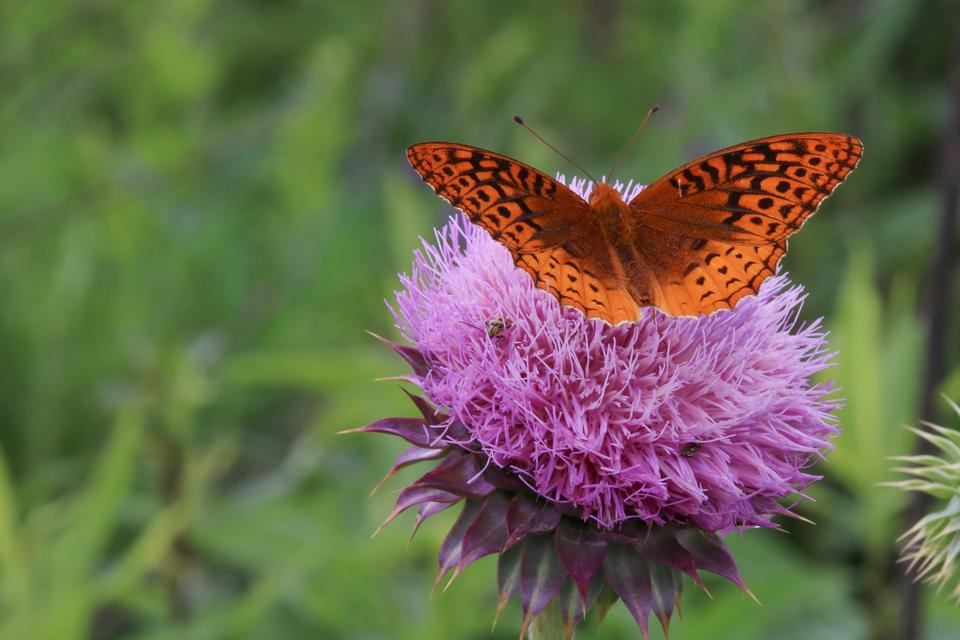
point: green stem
(548, 625)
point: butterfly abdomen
(614, 251)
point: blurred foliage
(203, 203)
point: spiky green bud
(931, 547)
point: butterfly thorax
(609, 208)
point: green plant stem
(548, 625)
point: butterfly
(697, 240)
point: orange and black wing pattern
(546, 226)
(714, 229)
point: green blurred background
(204, 203)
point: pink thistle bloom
(705, 421)
(599, 462)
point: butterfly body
(610, 210)
(695, 241)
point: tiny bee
(496, 326)
(690, 449)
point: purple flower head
(706, 421)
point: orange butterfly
(695, 241)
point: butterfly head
(604, 197)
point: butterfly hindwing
(698, 277)
(582, 280)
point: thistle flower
(931, 547)
(600, 462)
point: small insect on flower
(496, 326)
(690, 449)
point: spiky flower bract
(600, 461)
(931, 547)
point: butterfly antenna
(472, 326)
(536, 135)
(636, 135)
